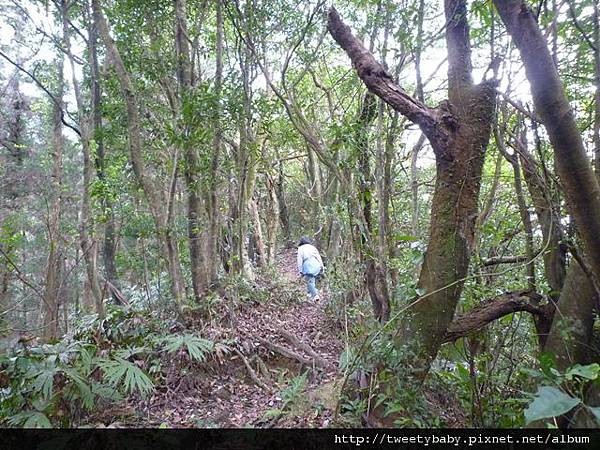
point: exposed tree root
(290, 354)
(251, 372)
(319, 360)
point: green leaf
(30, 419)
(406, 238)
(547, 363)
(549, 402)
(196, 347)
(119, 371)
(346, 358)
(463, 373)
(420, 291)
(589, 372)
(270, 413)
(44, 382)
(85, 391)
(37, 420)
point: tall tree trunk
(245, 163)
(458, 132)
(596, 50)
(570, 336)
(196, 236)
(12, 189)
(271, 218)
(213, 204)
(570, 332)
(388, 188)
(523, 210)
(154, 195)
(109, 244)
(284, 217)
(261, 248)
(51, 300)
(414, 185)
(86, 232)
(374, 274)
(549, 219)
(578, 180)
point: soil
(222, 393)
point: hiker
(310, 265)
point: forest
(168, 167)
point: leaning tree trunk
(154, 195)
(571, 330)
(576, 175)
(458, 131)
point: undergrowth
(100, 363)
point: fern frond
(30, 419)
(196, 347)
(118, 370)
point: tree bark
(458, 132)
(86, 233)
(154, 195)
(578, 180)
(196, 236)
(261, 248)
(375, 278)
(109, 247)
(570, 335)
(51, 299)
(596, 50)
(214, 218)
(523, 210)
(491, 310)
(549, 219)
(271, 219)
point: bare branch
(495, 260)
(43, 88)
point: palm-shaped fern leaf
(120, 372)
(196, 347)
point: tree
(458, 131)
(54, 263)
(154, 195)
(577, 177)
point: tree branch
(495, 260)
(43, 88)
(381, 83)
(491, 310)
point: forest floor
(279, 368)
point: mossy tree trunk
(458, 131)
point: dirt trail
(290, 339)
